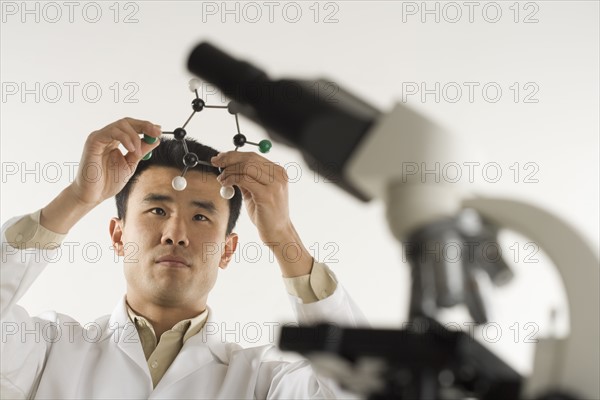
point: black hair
(170, 154)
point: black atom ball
(179, 133)
(239, 140)
(233, 107)
(190, 160)
(198, 104)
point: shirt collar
(187, 327)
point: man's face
(173, 242)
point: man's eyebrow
(207, 205)
(155, 197)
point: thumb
(133, 158)
(246, 194)
(146, 147)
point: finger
(134, 127)
(137, 141)
(142, 126)
(148, 147)
(135, 157)
(235, 157)
(244, 182)
(126, 127)
(246, 194)
(116, 134)
(259, 168)
(258, 189)
(132, 159)
(252, 171)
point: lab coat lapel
(194, 355)
(198, 351)
(126, 337)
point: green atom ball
(264, 146)
(149, 140)
(147, 156)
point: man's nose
(175, 232)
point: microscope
(362, 150)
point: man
(153, 345)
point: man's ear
(230, 245)
(116, 233)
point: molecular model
(190, 160)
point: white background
(373, 49)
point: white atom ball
(179, 183)
(195, 84)
(227, 192)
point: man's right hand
(103, 171)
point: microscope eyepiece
(231, 76)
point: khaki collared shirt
(28, 233)
(160, 355)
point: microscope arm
(571, 364)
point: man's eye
(200, 217)
(157, 211)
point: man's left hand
(264, 187)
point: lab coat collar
(196, 352)
(122, 331)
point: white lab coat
(53, 357)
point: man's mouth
(173, 261)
